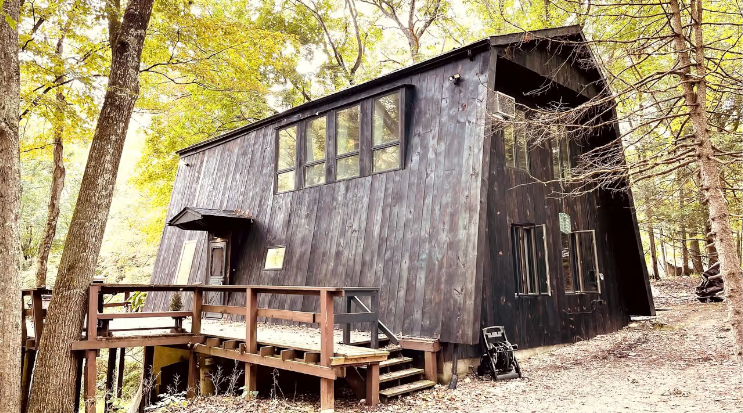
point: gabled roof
(570, 33)
(203, 219)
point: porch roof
(204, 219)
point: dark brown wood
(148, 375)
(372, 384)
(193, 374)
(137, 341)
(251, 337)
(327, 395)
(120, 372)
(91, 375)
(114, 316)
(29, 358)
(255, 360)
(110, 371)
(430, 366)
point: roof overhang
(203, 219)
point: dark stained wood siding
(411, 232)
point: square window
(314, 174)
(347, 167)
(285, 182)
(386, 159)
(386, 122)
(275, 258)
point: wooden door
(216, 274)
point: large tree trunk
(682, 230)
(58, 177)
(730, 268)
(54, 376)
(10, 204)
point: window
(560, 156)
(314, 166)
(515, 142)
(286, 161)
(580, 269)
(275, 258)
(530, 258)
(386, 132)
(185, 262)
(347, 138)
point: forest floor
(679, 361)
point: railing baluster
(251, 340)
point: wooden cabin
(404, 184)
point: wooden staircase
(398, 376)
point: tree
(10, 200)
(673, 76)
(54, 376)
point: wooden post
(148, 381)
(372, 384)
(29, 359)
(251, 340)
(327, 386)
(78, 380)
(347, 326)
(110, 371)
(91, 374)
(374, 327)
(429, 366)
(193, 375)
(198, 300)
(38, 315)
(120, 372)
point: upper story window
(286, 163)
(530, 258)
(316, 137)
(515, 142)
(386, 132)
(560, 154)
(347, 140)
(357, 139)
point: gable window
(386, 132)
(560, 155)
(347, 139)
(515, 142)
(275, 258)
(530, 258)
(286, 160)
(315, 139)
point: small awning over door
(203, 219)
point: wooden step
(394, 361)
(406, 388)
(399, 374)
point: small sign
(565, 224)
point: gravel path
(677, 362)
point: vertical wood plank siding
(410, 232)
(435, 236)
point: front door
(216, 274)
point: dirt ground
(679, 361)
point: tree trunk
(54, 378)
(663, 252)
(58, 177)
(682, 230)
(730, 268)
(710, 241)
(10, 204)
(696, 256)
(653, 253)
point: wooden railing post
(90, 368)
(38, 314)
(374, 327)
(347, 326)
(327, 396)
(193, 370)
(198, 301)
(251, 340)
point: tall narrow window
(587, 261)
(568, 276)
(560, 157)
(314, 166)
(515, 142)
(185, 262)
(347, 136)
(286, 162)
(530, 257)
(386, 131)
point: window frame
(335, 140)
(533, 277)
(265, 257)
(576, 247)
(277, 146)
(305, 165)
(400, 130)
(515, 147)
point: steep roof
(569, 33)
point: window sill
(582, 292)
(521, 295)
